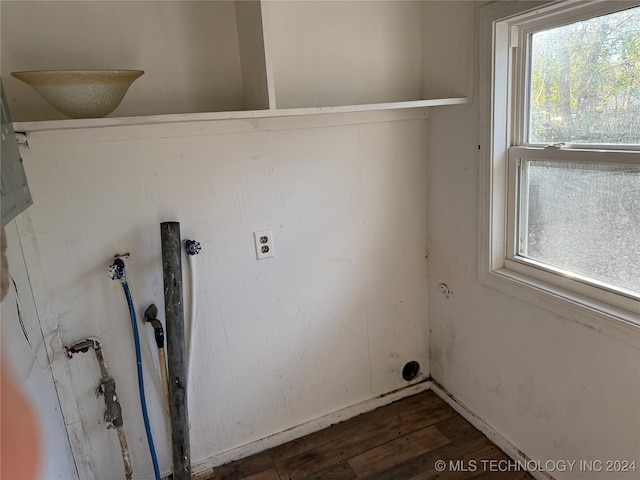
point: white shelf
(214, 60)
(71, 124)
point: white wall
(333, 317)
(447, 58)
(25, 354)
(346, 53)
(327, 323)
(554, 388)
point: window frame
(596, 289)
(504, 27)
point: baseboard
(492, 434)
(205, 466)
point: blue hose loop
(116, 272)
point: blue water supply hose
(116, 272)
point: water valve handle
(116, 269)
(192, 247)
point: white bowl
(81, 93)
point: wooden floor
(401, 441)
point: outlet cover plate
(263, 240)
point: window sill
(614, 322)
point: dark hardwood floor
(401, 441)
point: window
(582, 218)
(562, 184)
(582, 83)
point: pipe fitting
(192, 247)
(107, 387)
(113, 413)
(81, 347)
(116, 269)
(150, 315)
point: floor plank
(246, 468)
(464, 467)
(340, 471)
(426, 462)
(271, 474)
(353, 426)
(401, 441)
(397, 451)
(366, 431)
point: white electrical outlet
(264, 244)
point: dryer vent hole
(411, 370)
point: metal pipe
(113, 413)
(128, 471)
(176, 348)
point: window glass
(584, 83)
(583, 218)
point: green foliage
(585, 81)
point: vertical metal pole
(176, 348)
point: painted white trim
(266, 38)
(298, 431)
(67, 132)
(491, 433)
